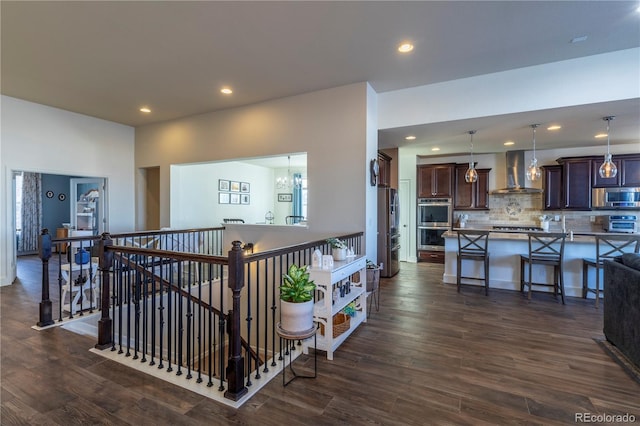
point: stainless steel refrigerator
(388, 232)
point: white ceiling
(107, 59)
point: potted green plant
(296, 300)
(338, 248)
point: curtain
(31, 212)
(297, 195)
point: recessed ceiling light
(509, 143)
(145, 109)
(410, 138)
(554, 127)
(405, 47)
(226, 91)
(578, 39)
(435, 148)
(600, 135)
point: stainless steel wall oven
(434, 212)
(434, 219)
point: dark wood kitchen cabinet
(576, 183)
(630, 165)
(435, 180)
(471, 196)
(430, 256)
(384, 170)
(552, 187)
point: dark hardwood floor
(429, 356)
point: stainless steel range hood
(515, 175)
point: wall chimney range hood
(515, 175)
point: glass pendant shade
(533, 171)
(608, 169)
(471, 174)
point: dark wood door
(425, 181)
(482, 190)
(630, 171)
(442, 181)
(463, 198)
(552, 186)
(577, 184)
(470, 196)
(384, 173)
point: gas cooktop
(516, 228)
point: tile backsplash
(526, 209)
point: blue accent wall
(54, 211)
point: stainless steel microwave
(615, 198)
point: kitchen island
(505, 249)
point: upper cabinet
(552, 184)
(384, 170)
(568, 185)
(471, 196)
(630, 165)
(435, 180)
(628, 171)
(576, 183)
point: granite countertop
(578, 236)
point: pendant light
(471, 175)
(608, 169)
(533, 171)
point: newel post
(105, 323)
(44, 252)
(235, 367)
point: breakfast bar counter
(505, 249)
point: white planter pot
(339, 253)
(544, 226)
(296, 317)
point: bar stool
(607, 247)
(472, 245)
(547, 249)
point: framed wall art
(223, 198)
(244, 198)
(234, 198)
(245, 187)
(235, 186)
(223, 185)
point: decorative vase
(81, 257)
(544, 225)
(339, 253)
(296, 317)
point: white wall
(598, 78)
(330, 125)
(42, 139)
(194, 192)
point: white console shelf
(349, 270)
